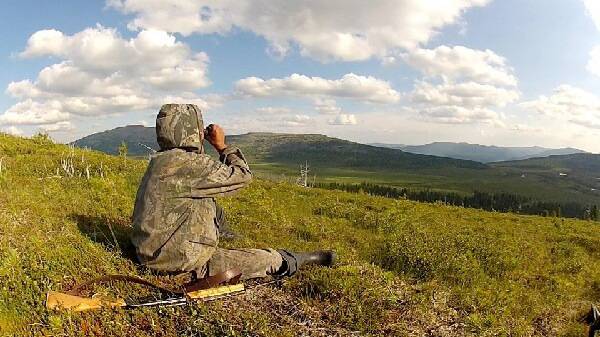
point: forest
(498, 202)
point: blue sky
(504, 72)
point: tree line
(499, 202)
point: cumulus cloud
(296, 120)
(467, 95)
(593, 10)
(99, 72)
(269, 110)
(519, 127)
(327, 106)
(468, 102)
(566, 101)
(343, 119)
(325, 30)
(462, 63)
(29, 112)
(12, 130)
(362, 88)
(569, 104)
(593, 65)
(58, 127)
(588, 123)
(462, 85)
(459, 115)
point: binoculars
(207, 130)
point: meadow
(405, 268)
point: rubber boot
(292, 261)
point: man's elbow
(247, 177)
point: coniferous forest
(499, 202)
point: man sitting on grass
(176, 221)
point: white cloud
(462, 63)
(102, 54)
(566, 101)
(362, 88)
(58, 127)
(593, 10)
(525, 128)
(296, 120)
(325, 30)
(460, 115)
(327, 106)
(569, 104)
(343, 119)
(468, 95)
(588, 123)
(269, 110)
(29, 112)
(100, 73)
(593, 65)
(468, 102)
(468, 85)
(12, 130)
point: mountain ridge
(481, 153)
(278, 156)
(109, 140)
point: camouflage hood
(179, 126)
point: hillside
(480, 153)
(109, 141)
(577, 163)
(326, 152)
(278, 156)
(288, 149)
(405, 268)
(582, 169)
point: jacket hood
(179, 126)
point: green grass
(405, 268)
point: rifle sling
(125, 278)
(230, 276)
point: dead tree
(303, 178)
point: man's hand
(216, 137)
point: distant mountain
(109, 141)
(564, 178)
(285, 149)
(580, 163)
(323, 151)
(480, 153)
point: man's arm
(232, 174)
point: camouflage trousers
(253, 263)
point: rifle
(57, 300)
(221, 285)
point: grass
(405, 268)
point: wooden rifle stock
(57, 300)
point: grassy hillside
(405, 268)
(335, 160)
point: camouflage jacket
(174, 225)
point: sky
(503, 72)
